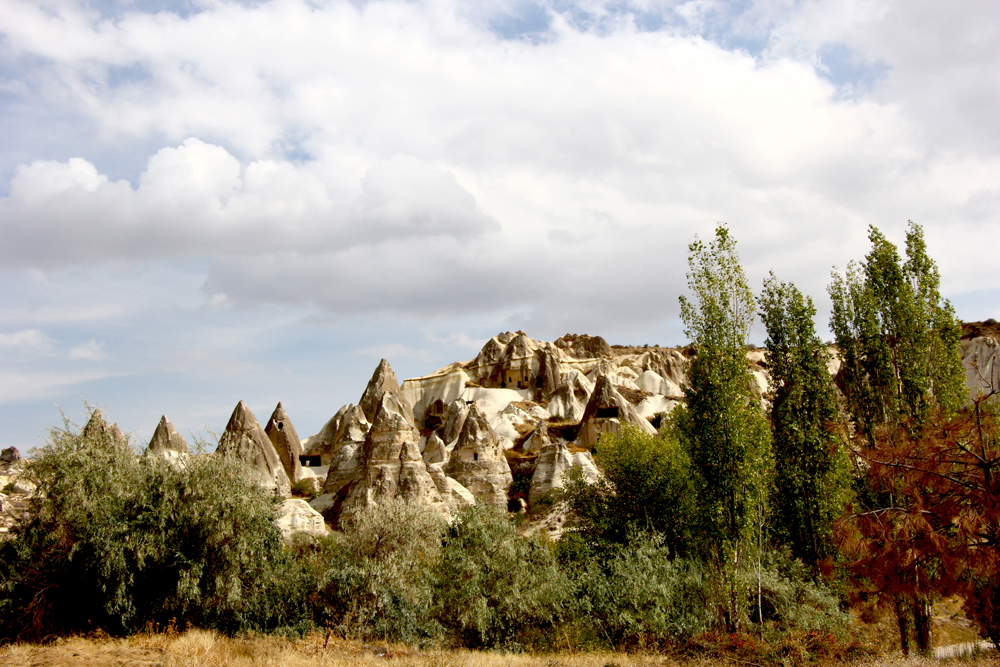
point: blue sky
(204, 202)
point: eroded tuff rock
(321, 444)
(570, 399)
(477, 461)
(390, 464)
(981, 358)
(167, 442)
(606, 411)
(281, 432)
(245, 440)
(97, 428)
(435, 450)
(554, 461)
(583, 346)
(296, 516)
(383, 381)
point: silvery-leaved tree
(724, 423)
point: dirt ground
(198, 648)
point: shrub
(496, 588)
(118, 541)
(638, 597)
(646, 487)
(378, 581)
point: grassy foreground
(200, 648)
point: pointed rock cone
(246, 441)
(477, 461)
(285, 440)
(317, 444)
(166, 441)
(383, 381)
(606, 411)
(390, 462)
(106, 434)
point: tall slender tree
(812, 476)
(901, 364)
(724, 423)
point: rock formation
(97, 428)
(246, 441)
(167, 442)
(10, 455)
(383, 381)
(296, 516)
(477, 461)
(554, 461)
(606, 412)
(281, 432)
(390, 465)
(571, 397)
(981, 358)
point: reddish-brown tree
(939, 533)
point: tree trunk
(903, 622)
(922, 624)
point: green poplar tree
(898, 339)
(901, 363)
(724, 423)
(812, 480)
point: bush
(638, 597)
(646, 487)
(794, 601)
(496, 588)
(378, 580)
(118, 541)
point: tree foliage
(117, 541)
(941, 533)
(493, 586)
(646, 487)
(898, 339)
(378, 579)
(724, 423)
(812, 480)
(901, 366)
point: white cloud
(92, 350)
(402, 158)
(16, 387)
(27, 339)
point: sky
(208, 201)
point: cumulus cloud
(440, 157)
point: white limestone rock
(606, 411)
(554, 461)
(656, 404)
(245, 440)
(296, 516)
(477, 461)
(281, 432)
(651, 382)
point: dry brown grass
(200, 648)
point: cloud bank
(412, 167)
